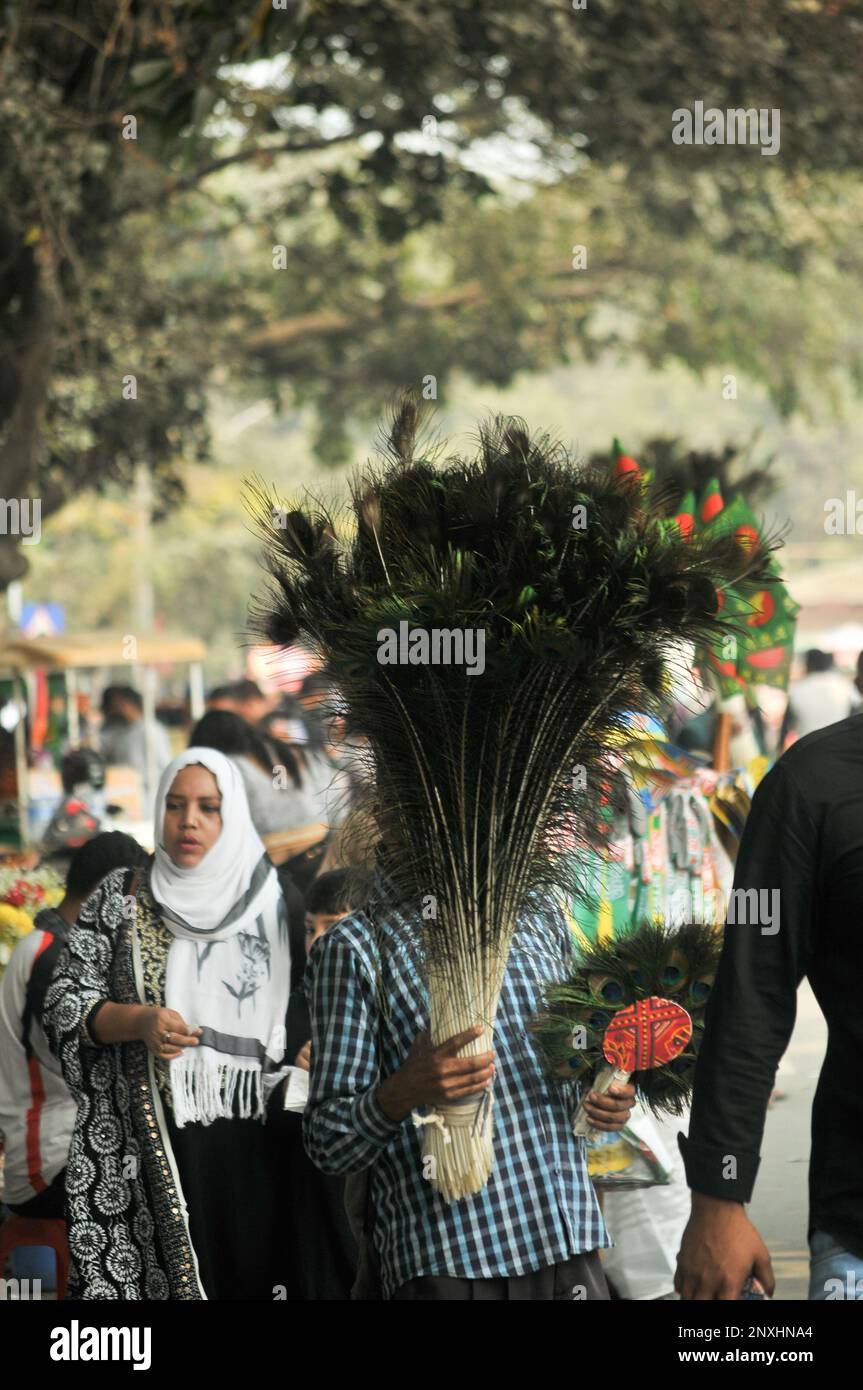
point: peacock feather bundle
(676, 963)
(489, 622)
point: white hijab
(223, 893)
(228, 968)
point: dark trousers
(579, 1277)
(230, 1189)
(45, 1204)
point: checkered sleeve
(344, 1128)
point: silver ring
(166, 1037)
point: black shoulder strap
(37, 988)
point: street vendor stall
(74, 655)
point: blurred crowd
(300, 772)
(301, 778)
(299, 786)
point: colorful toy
(646, 1034)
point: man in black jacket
(804, 841)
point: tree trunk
(19, 452)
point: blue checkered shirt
(368, 1002)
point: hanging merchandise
(666, 848)
(635, 1157)
(760, 649)
(665, 855)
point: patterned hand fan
(649, 1033)
(653, 960)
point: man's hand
(719, 1250)
(435, 1075)
(304, 1057)
(612, 1110)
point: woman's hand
(166, 1033)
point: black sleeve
(296, 909)
(298, 1025)
(37, 987)
(750, 1016)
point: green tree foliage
(428, 170)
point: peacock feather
(677, 963)
(582, 591)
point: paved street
(779, 1205)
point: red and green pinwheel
(760, 651)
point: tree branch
(325, 323)
(287, 332)
(181, 183)
(34, 21)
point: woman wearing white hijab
(167, 1011)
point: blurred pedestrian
(77, 817)
(243, 697)
(823, 696)
(296, 796)
(37, 1110)
(125, 734)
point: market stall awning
(89, 650)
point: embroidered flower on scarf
(55, 990)
(112, 1198)
(66, 1014)
(255, 967)
(100, 1074)
(157, 1286)
(100, 1289)
(95, 950)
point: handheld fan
(651, 961)
(649, 1033)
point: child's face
(319, 922)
